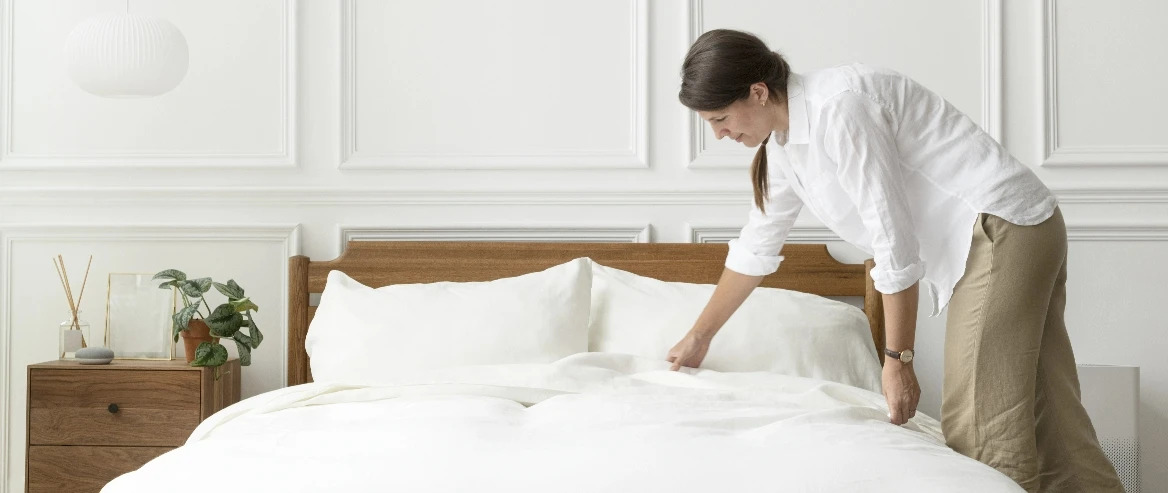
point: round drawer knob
(113, 408)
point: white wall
(300, 124)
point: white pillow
(365, 335)
(774, 330)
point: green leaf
(204, 284)
(182, 318)
(241, 337)
(224, 321)
(168, 284)
(208, 354)
(231, 290)
(190, 289)
(256, 336)
(176, 275)
(244, 351)
(195, 288)
(245, 305)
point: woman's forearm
(733, 288)
(900, 318)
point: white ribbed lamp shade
(126, 56)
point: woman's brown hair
(719, 70)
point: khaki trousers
(1011, 391)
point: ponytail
(758, 175)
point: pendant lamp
(126, 55)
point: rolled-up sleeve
(756, 250)
(861, 138)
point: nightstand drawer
(113, 407)
(82, 469)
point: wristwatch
(905, 356)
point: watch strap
(895, 354)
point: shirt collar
(797, 132)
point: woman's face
(747, 120)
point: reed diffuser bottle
(73, 333)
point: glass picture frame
(139, 317)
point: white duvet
(591, 422)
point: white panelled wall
(302, 124)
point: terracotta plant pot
(197, 331)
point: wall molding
(346, 196)
(556, 233)
(1054, 153)
(991, 107)
(289, 234)
(300, 196)
(1075, 232)
(991, 68)
(1139, 196)
(695, 140)
(126, 159)
(294, 196)
(723, 234)
(352, 158)
(1111, 232)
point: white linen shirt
(893, 169)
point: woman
(895, 170)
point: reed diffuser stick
(69, 292)
(63, 284)
(76, 315)
(83, 281)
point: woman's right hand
(690, 351)
(732, 290)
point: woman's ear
(760, 92)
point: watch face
(906, 355)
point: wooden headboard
(807, 267)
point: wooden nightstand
(88, 424)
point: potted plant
(201, 331)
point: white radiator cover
(1111, 395)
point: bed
(505, 366)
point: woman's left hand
(901, 390)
